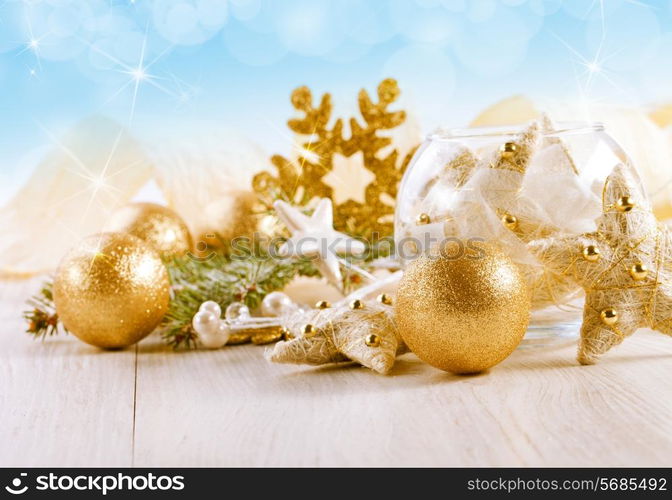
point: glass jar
(480, 183)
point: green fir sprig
(41, 317)
(224, 280)
(244, 278)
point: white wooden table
(63, 403)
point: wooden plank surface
(62, 403)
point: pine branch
(245, 278)
(224, 281)
(42, 318)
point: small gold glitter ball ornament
(591, 253)
(463, 315)
(609, 316)
(625, 204)
(372, 340)
(422, 219)
(508, 149)
(384, 298)
(356, 305)
(111, 290)
(308, 331)
(510, 221)
(157, 225)
(639, 271)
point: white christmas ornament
(315, 237)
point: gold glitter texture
(111, 290)
(155, 224)
(298, 182)
(463, 315)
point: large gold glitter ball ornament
(111, 290)
(463, 314)
(157, 225)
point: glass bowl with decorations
(511, 185)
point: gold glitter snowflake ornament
(326, 154)
(625, 267)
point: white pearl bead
(211, 306)
(223, 331)
(277, 304)
(205, 323)
(218, 338)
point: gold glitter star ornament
(625, 267)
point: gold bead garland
(625, 204)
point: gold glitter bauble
(232, 216)
(463, 315)
(155, 224)
(111, 290)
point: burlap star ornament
(361, 331)
(625, 267)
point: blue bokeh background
(163, 64)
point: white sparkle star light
(33, 43)
(139, 75)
